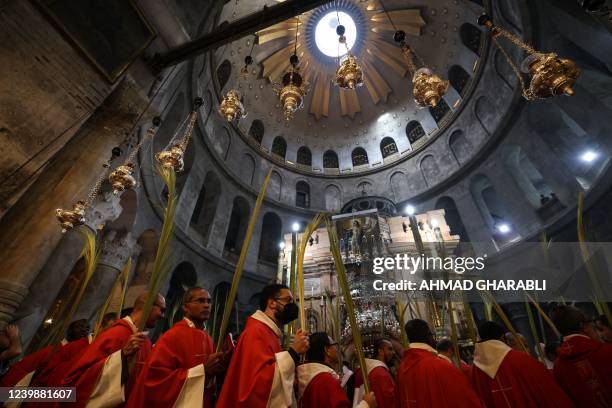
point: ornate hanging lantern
(172, 155)
(231, 107)
(427, 87)
(349, 74)
(292, 90)
(549, 74)
(122, 177)
(74, 217)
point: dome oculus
(326, 38)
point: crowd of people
(121, 367)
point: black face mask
(288, 314)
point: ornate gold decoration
(349, 74)
(172, 156)
(291, 92)
(71, 218)
(428, 88)
(231, 107)
(122, 177)
(550, 75)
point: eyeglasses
(289, 299)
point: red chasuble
(319, 387)
(260, 373)
(60, 362)
(381, 383)
(175, 370)
(424, 380)
(26, 365)
(584, 370)
(97, 373)
(504, 378)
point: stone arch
(439, 111)
(246, 168)
(279, 147)
(333, 198)
(388, 147)
(452, 217)
(238, 223)
(485, 114)
(527, 176)
(471, 37)
(399, 186)
(359, 157)
(219, 296)
(302, 194)
(257, 130)
(188, 159)
(170, 123)
(206, 205)
(502, 69)
(223, 143)
(271, 235)
(183, 277)
(430, 169)
(304, 156)
(414, 131)
(458, 78)
(460, 146)
(275, 186)
(488, 201)
(224, 71)
(364, 188)
(330, 160)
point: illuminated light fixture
(349, 74)
(295, 227)
(549, 74)
(409, 209)
(281, 245)
(589, 156)
(326, 29)
(504, 228)
(434, 223)
(231, 107)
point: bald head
(519, 344)
(157, 309)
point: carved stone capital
(117, 249)
(106, 208)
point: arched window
(470, 37)
(223, 73)
(330, 160)
(439, 111)
(414, 131)
(184, 276)
(237, 227)
(458, 78)
(359, 157)
(302, 194)
(206, 206)
(270, 237)
(279, 147)
(388, 147)
(304, 156)
(256, 131)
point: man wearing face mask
(261, 374)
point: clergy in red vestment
(504, 377)
(260, 373)
(38, 368)
(183, 363)
(318, 382)
(381, 380)
(428, 381)
(102, 375)
(583, 367)
(446, 350)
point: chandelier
(122, 177)
(427, 87)
(549, 75)
(172, 155)
(349, 74)
(292, 89)
(231, 107)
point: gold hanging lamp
(172, 155)
(349, 74)
(292, 89)
(232, 104)
(427, 87)
(122, 177)
(75, 216)
(549, 75)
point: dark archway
(302, 194)
(271, 230)
(359, 157)
(238, 223)
(279, 147)
(206, 206)
(414, 131)
(388, 147)
(304, 156)
(458, 78)
(224, 71)
(330, 160)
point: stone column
(115, 251)
(477, 228)
(220, 224)
(30, 231)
